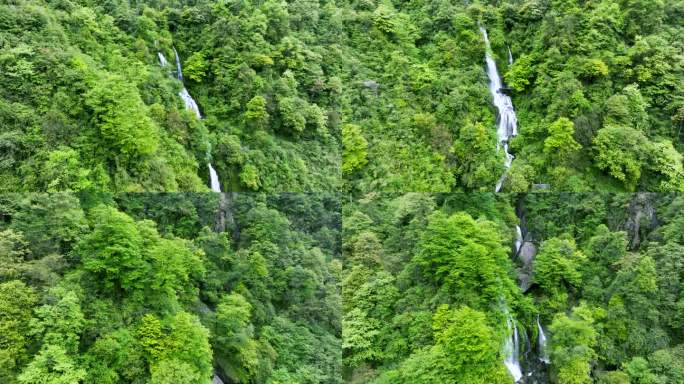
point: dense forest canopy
(320, 95)
(149, 288)
(86, 105)
(354, 146)
(598, 87)
(436, 289)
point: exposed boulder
(527, 253)
(371, 84)
(642, 219)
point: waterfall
(191, 104)
(507, 120)
(518, 239)
(543, 352)
(512, 349)
(179, 70)
(162, 59)
(213, 176)
(217, 380)
(510, 56)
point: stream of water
(191, 104)
(507, 126)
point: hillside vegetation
(319, 95)
(148, 288)
(434, 290)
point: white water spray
(179, 70)
(162, 59)
(543, 352)
(190, 102)
(213, 176)
(512, 349)
(518, 239)
(507, 120)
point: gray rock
(524, 281)
(527, 253)
(642, 219)
(372, 84)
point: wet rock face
(642, 219)
(524, 280)
(371, 84)
(541, 187)
(527, 253)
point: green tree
(60, 324)
(62, 170)
(121, 119)
(256, 113)
(176, 266)
(174, 371)
(479, 165)
(466, 257)
(196, 67)
(520, 74)
(112, 252)
(573, 339)
(16, 304)
(621, 151)
(178, 347)
(13, 250)
(560, 145)
(292, 114)
(52, 365)
(666, 166)
(234, 338)
(354, 148)
(557, 269)
(50, 223)
(466, 351)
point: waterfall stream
(191, 104)
(512, 349)
(518, 239)
(162, 59)
(507, 120)
(543, 352)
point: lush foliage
(86, 105)
(615, 70)
(358, 95)
(598, 87)
(429, 281)
(154, 288)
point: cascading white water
(189, 102)
(162, 59)
(213, 176)
(191, 105)
(179, 70)
(518, 239)
(507, 120)
(217, 380)
(510, 56)
(512, 349)
(543, 352)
